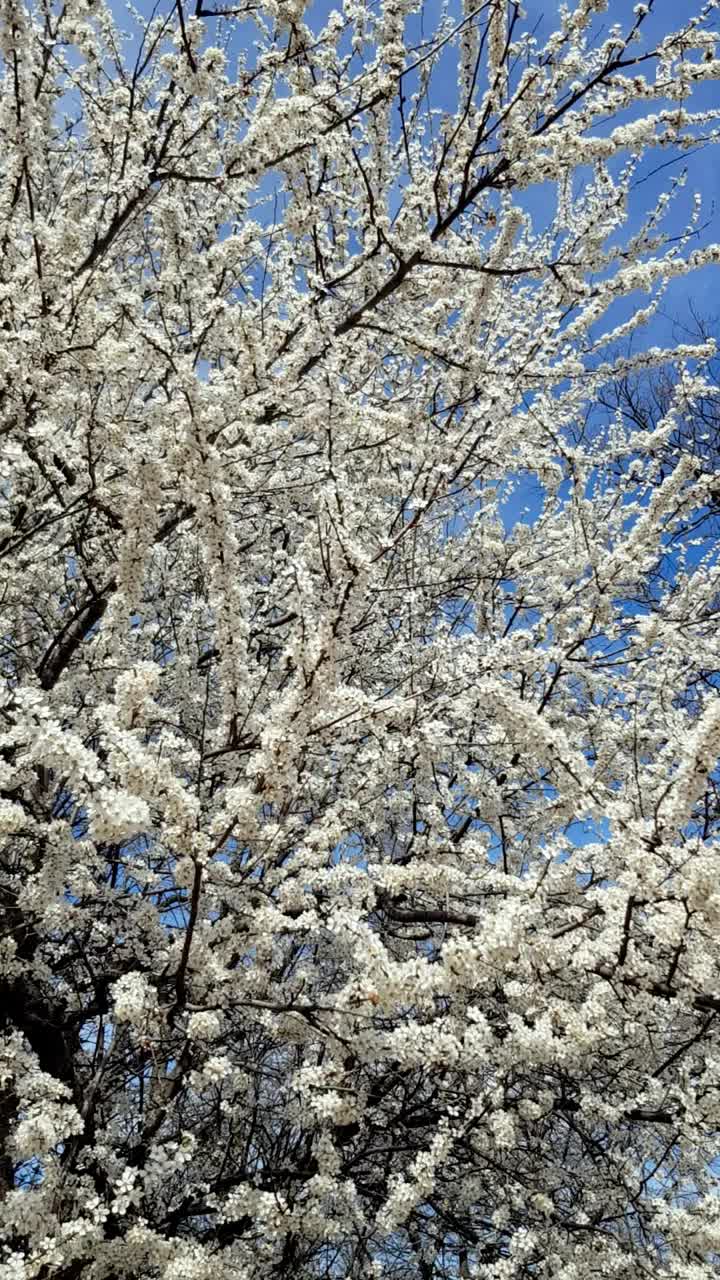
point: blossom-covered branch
(358, 733)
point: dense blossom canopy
(304, 970)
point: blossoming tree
(303, 969)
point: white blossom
(358, 635)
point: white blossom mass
(359, 644)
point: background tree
(303, 971)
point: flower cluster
(359, 726)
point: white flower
(44, 1127)
(133, 999)
(216, 1069)
(12, 818)
(117, 815)
(203, 1026)
(503, 1129)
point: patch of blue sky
(30, 1173)
(580, 832)
(90, 1032)
(664, 1178)
(521, 499)
(351, 849)
(588, 831)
